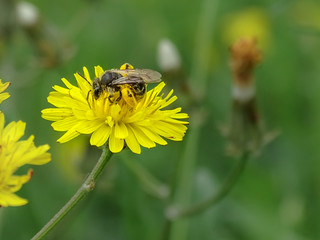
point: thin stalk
(198, 80)
(183, 188)
(149, 182)
(218, 196)
(86, 187)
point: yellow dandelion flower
(14, 154)
(3, 87)
(142, 122)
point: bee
(126, 83)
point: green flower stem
(218, 196)
(184, 180)
(86, 187)
(149, 182)
(198, 82)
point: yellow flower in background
(141, 123)
(15, 154)
(3, 87)
(248, 23)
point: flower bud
(27, 14)
(245, 132)
(168, 56)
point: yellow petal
(138, 116)
(142, 138)
(1, 122)
(27, 153)
(170, 101)
(76, 94)
(69, 135)
(15, 182)
(58, 99)
(171, 131)
(168, 95)
(22, 149)
(4, 86)
(61, 90)
(84, 85)
(100, 136)
(64, 124)
(115, 144)
(153, 136)
(40, 155)
(120, 130)
(37, 156)
(55, 114)
(66, 82)
(86, 74)
(154, 92)
(175, 121)
(4, 96)
(13, 131)
(87, 127)
(132, 142)
(10, 199)
(81, 114)
(98, 71)
(180, 115)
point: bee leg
(87, 98)
(110, 99)
(88, 94)
(120, 96)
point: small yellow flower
(3, 87)
(14, 154)
(79, 112)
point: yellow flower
(119, 123)
(3, 87)
(14, 154)
(249, 23)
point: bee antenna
(84, 78)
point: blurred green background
(277, 197)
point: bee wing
(127, 80)
(146, 75)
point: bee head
(96, 87)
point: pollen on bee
(126, 66)
(128, 96)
